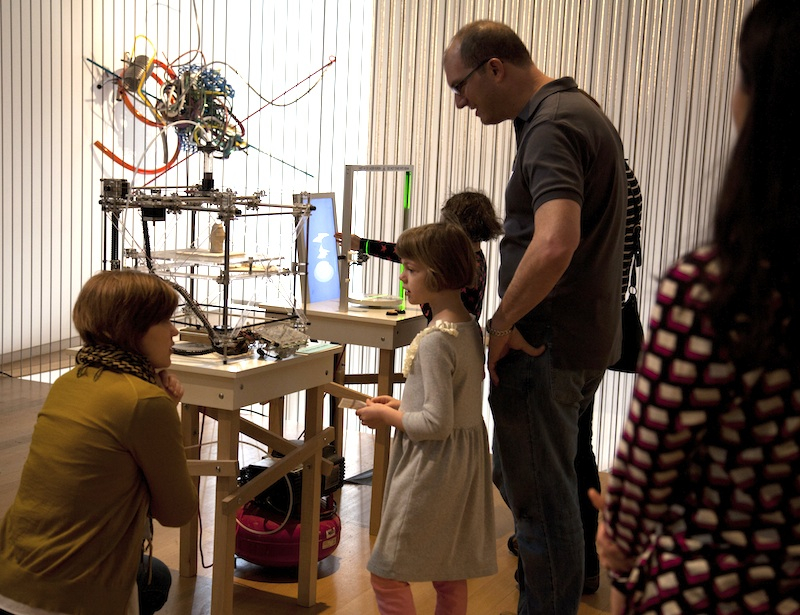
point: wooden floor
(343, 586)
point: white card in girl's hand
(351, 403)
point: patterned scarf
(115, 360)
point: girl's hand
(618, 602)
(372, 415)
(171, 385)
(375, 415)
(611, 556)
(386, 400)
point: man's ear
(498, 68)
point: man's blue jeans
(536, 410)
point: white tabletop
(363, 326)
(249, 379)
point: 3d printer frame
(192, 263)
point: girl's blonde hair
(118, 307)
(445, 250)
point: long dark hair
(757, 227)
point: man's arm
(555, 239)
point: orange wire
(137, 114)
(128, 103)
(130, 167)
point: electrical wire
(285, 519)
(135, 169)
(196, 51)
(331, 61)
(146, 72)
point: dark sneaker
(512, 545)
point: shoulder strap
(632, 251)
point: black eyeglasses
(460, 85)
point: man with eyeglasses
(557, 327)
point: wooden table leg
(309, 507)
(276, 415)
(380, 463)
(337, 414)
(337, 421)
(190, 427)
(224, 525)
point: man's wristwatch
(497, 332)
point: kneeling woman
(106, 455)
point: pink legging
(395, 598)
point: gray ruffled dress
(438, 511)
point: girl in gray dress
(438, 515)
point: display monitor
(321, 283)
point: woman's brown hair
(118, 307)
(473, 211)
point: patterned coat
(705, 489)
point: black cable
(147, 252)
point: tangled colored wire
(196, 100)
(202, 96)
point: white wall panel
(52, 224)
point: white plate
(377, 301)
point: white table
(220, 391)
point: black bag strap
(632, 255)
(632, 250)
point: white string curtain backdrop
(663, 70)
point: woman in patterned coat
(702, 511)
